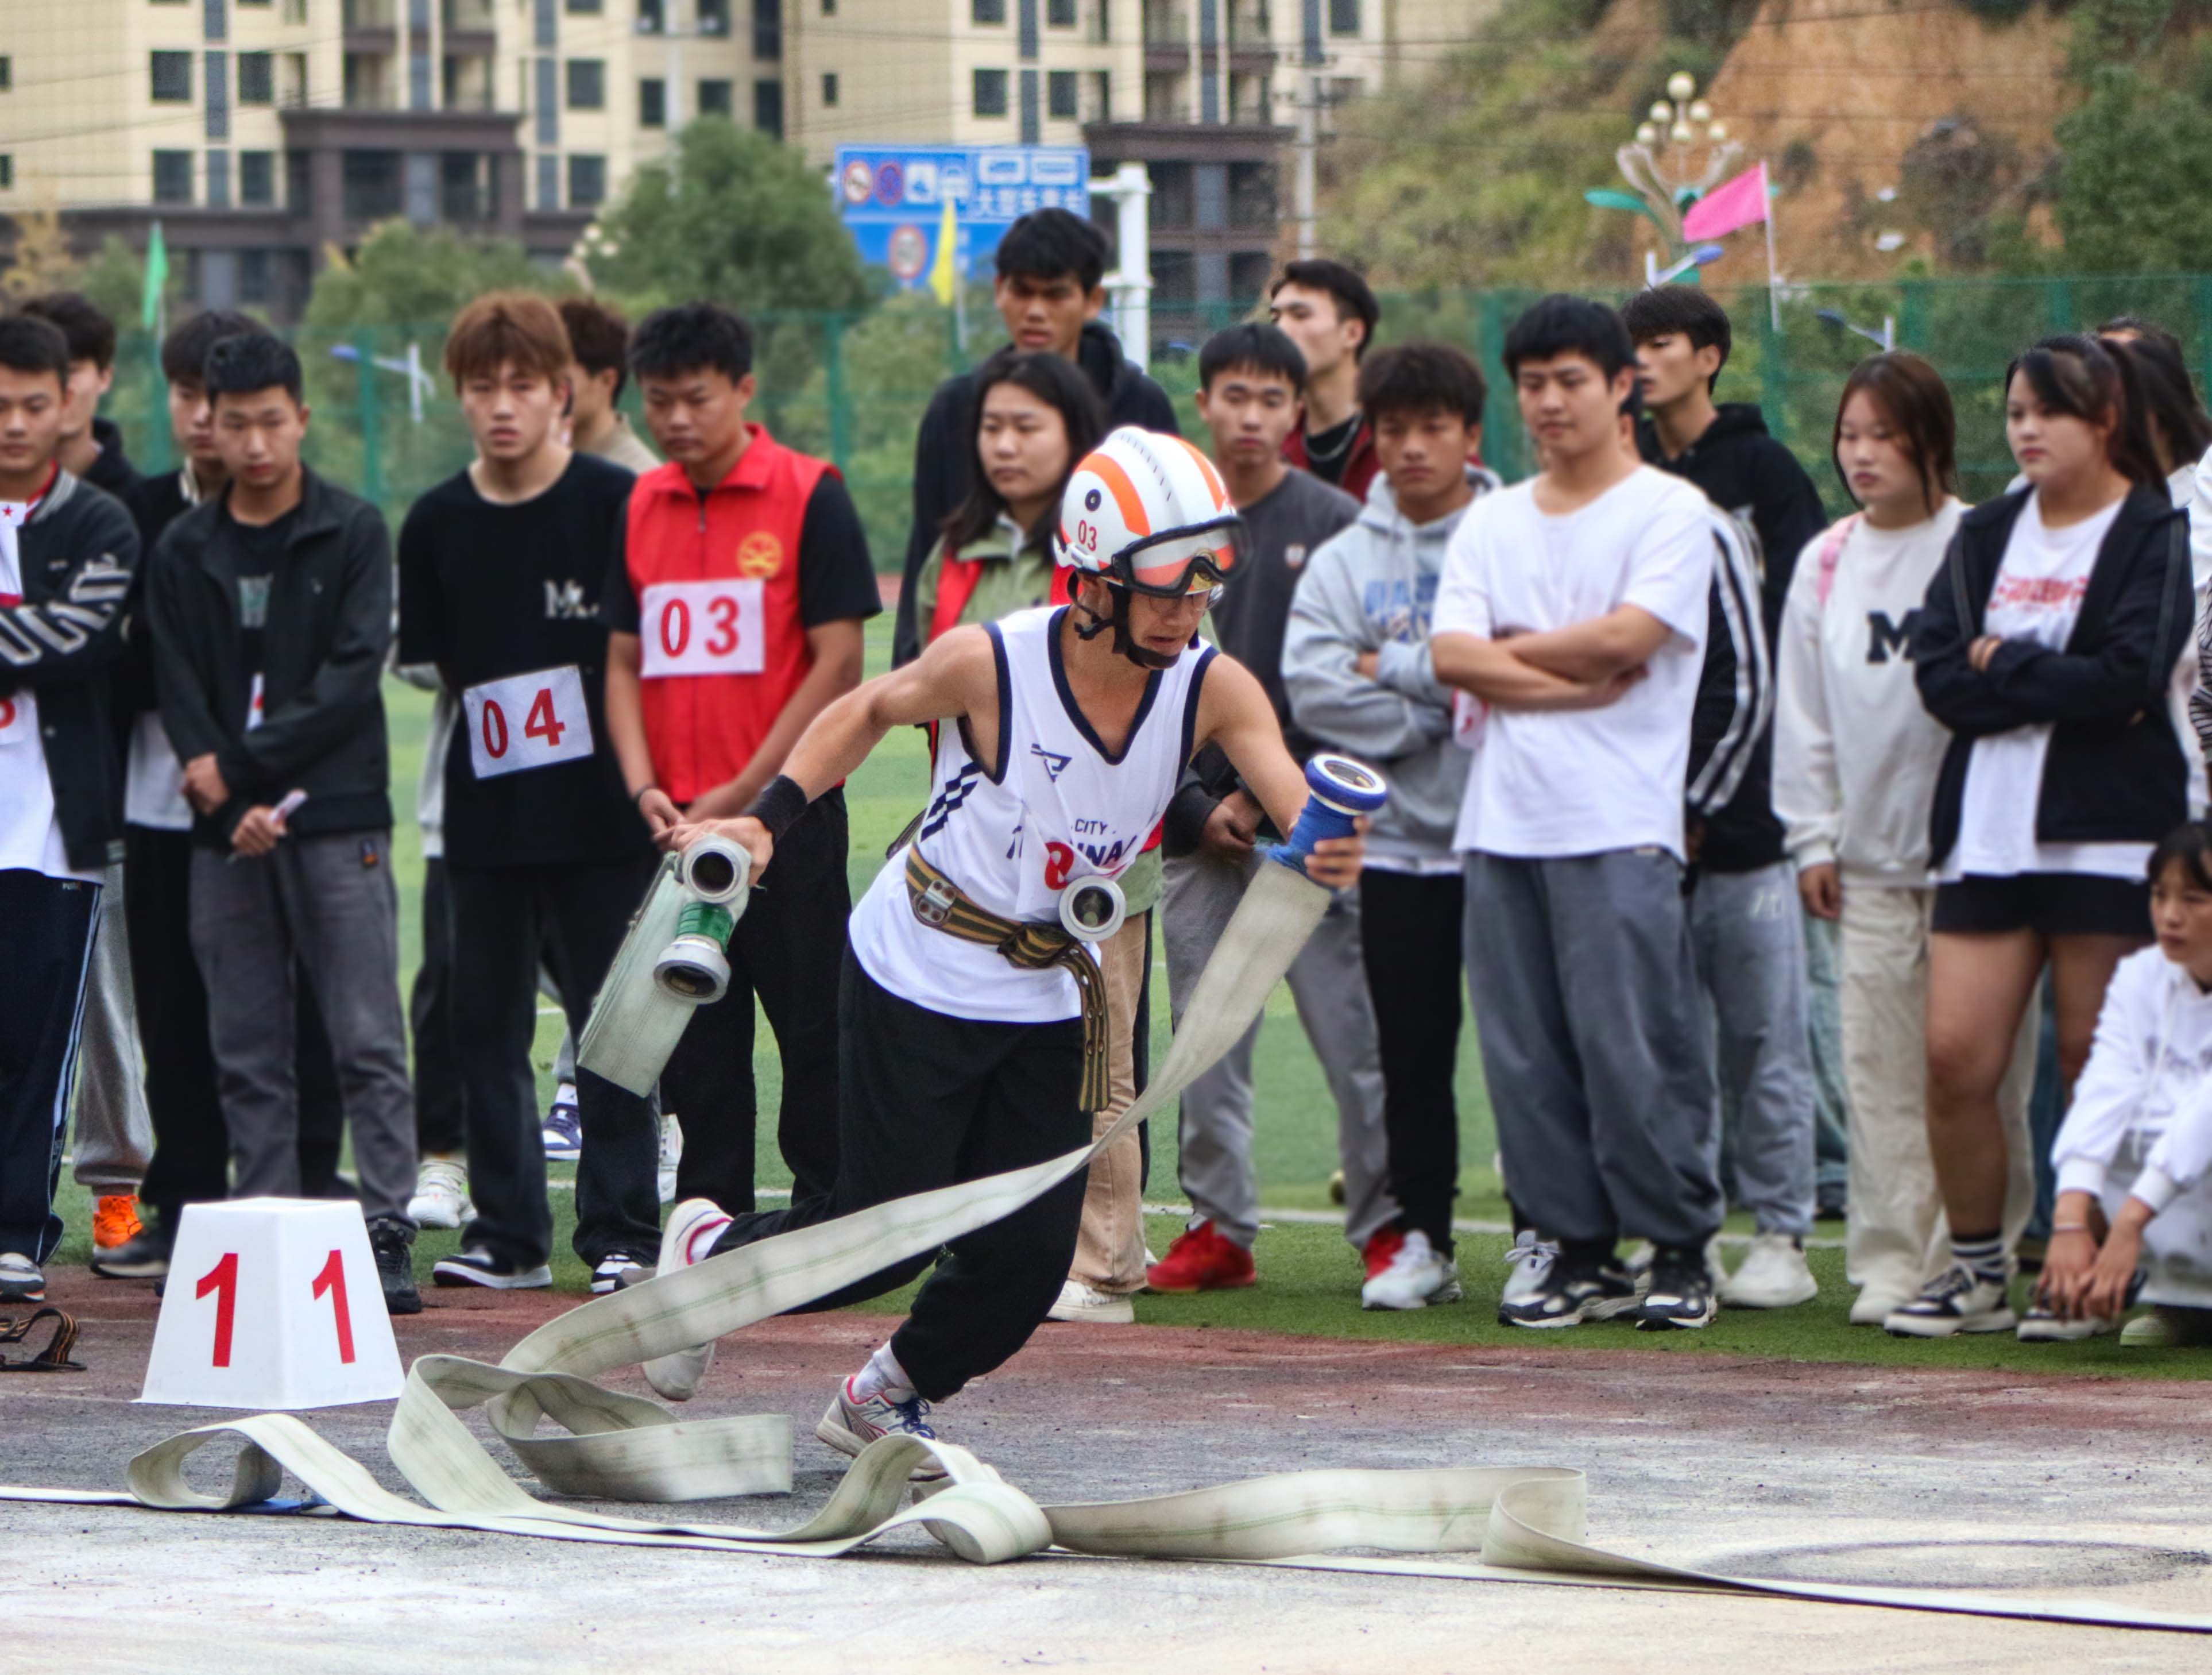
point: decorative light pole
(1664, 164)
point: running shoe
(441, 1194)
(1773, 1276)
(145, 1257)
(1078, 1301)
(2042, 1324)
(1381, 1246)
(393, 1246)
(1200, 1259)
(115, 1221)
(20, 1281)
(689, 1239)
(849, 1426)
(479, 1266)
(1680, 1297)
(1958, 1300)
(1570, 1292)
(616, 1271)
(1526, 1263)
(564, 1128)
(1416, 1275)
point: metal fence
(853, 387)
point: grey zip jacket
(1373, 587)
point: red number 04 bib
(702, 628)
(527, 720)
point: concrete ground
(2087, 1489)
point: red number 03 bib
(702, 628)
(527, 720)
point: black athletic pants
(440, 1123)
(49, 923)
(1409, 929)
(503, 918)
(192, 1146)
(787, 950)
(927, 1100)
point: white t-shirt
(30, 832)
(1583, 782)
(2036, 596)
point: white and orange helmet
(1147, 511)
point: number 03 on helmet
(1148, 512)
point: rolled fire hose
(1525, 1523)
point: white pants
(1895, 1237)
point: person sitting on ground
(2134, 1210)
(1356, 667)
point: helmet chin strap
(1124, 641)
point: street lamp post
(1662, 164)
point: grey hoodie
(1372, 587)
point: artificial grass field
(1308, 1277)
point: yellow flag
(943, 275)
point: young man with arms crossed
(1744, 917)
(1329, 313)
(66, 556)
(1049, 291)
(499, 571)
(1356, 664)
(1575, 605)
(1065, 728)
(271, 609)
(736, 603)
(1249, 377)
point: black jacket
(154, 502)
(112, 472)
(945, 455)
(2114, 772)
(1743, 470)
(329, 628)
(76, 552)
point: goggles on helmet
(1196, 558)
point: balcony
(472, 27)
(1168, 32)
(371, 25)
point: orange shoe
(1202, 1260)
(115, 1221)
(1380, 1247)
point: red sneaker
(1201, 1260)
(1380, 1247)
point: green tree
(2135, 156)
(738, 218)
(419, 278)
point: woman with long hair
(1856, 758)
(2045, 645)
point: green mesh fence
(853, 387)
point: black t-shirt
(836, 579)
(1327, 452)
(487, 591)
(259, 547)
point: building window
(586, 8)
(768, 29)
(373, 185)
(1101, 96)
(768, 108)
(257, 179)
(650, 21)
(7, 72)
(7, 171)
(987, 11)
(652, 103)
(215, 20)
(1344, 17)
(587, 182)
(299, 182)
(828, 8)
(829, 87)
(716, 97)
(714, 17)
(1059, 95)
(253, 286)
(295, 12)
(1060, 14)
(172, 78)
(256, 78)
(990, 93)
(587, 84)
(173, 177)
(252, 2)
(218, 179)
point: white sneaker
(1526, 1265)
(1418, 1274)
(1873, 1306)
(20, 1281)
(564, 1128)
(690, 1234)
(849, 1426)
(1958, 1300)
(671, 1154)
(2146, 1331)
(441, 1194)
(1774, 1276)
(1078, 1301)
(2043, 1324)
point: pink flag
(1733, 204)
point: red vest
(703, 729)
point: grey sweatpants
(1746, 930)
(114, 1131)
(329, 902)
(1596, 1056)
(1329, 984)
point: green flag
(157, 279)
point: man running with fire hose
(971, 1015)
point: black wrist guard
(779, 806)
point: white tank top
(1010, 834)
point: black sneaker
(1682, 1294)
(394, 1245)
(1570, 1293)
(618, 1271)
(479, 1266)
(144, 1256)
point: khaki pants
(1895, 1238)
(1109, 1252)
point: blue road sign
(892, 199)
